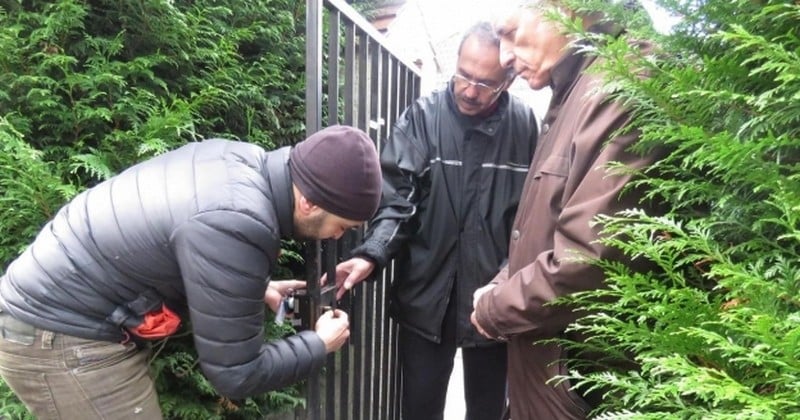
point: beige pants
(58, 376)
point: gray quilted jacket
(197, 229)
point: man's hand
(474, 321)
(279, 289)
(349, 273)
(333, 327)
(476, 296)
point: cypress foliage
(715, 326)
(105, 84)
(88, 88)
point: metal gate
(353, 78)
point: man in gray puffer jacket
(195, 232)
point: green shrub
(104, 84)
(88, 88)
(715, 326)
(32, 191)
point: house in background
(382, 14)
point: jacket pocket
(551, 179)
(554, 165)
(575, 403)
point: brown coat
(566, 187)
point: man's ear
(305, 206)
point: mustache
(470, 101)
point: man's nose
(506, 58)
(471, 91)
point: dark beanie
(337, 168)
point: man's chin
(537, 83)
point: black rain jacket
(451, 188)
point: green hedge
(88, 88)
(715, 326)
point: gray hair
(484, 32)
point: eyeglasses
(461, 82)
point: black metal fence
(353, 78)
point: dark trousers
(426, 367)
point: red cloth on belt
(158, 324)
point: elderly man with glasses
(453, 168)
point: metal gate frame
(354, 78)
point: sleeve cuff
(316, 347)
(374, 252)
(482, 315)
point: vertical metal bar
(408, 87)
(402, 89)
(391, 94)
(313, 268)
(386, 94)
(333, 66)
(350, 73)
(369, 344)
(341, 372)
(393, 369)
(313, 117)
(417, 88)
(386, 119)
(330, 364)
(358, 376)
(332, 371)
(360, 312)
(362, 120)
(347, 243)
(313, 65)
(376, 73)
(396, 374)
(376, 130)
(369, 319)
(329, 400)
(381, 349)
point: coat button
(515, 234)
(545, 128)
